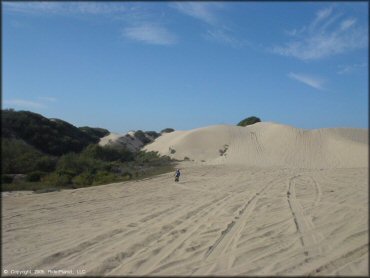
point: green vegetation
(153, 134)
(167, 130)
(224, 150)
(142, 137)
(19, 157)
(46, 155)
(249, 121)
(95, 165)
(50, 136)
(95, 132)
(108, 153)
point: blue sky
(139, 65)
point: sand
(268, 144)
(303, 214)
(127, 140)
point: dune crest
(224, 217)
(268, 144)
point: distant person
(177, 175)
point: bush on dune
(107, 153)
(249, 121)
(59, 179)
(95, 165)
(150, 157)
(142, 137)
(95, 132)
(75, 164)
(153, 134)
(103, 177)
(83, 179)
(19, 157)
(51, 153)
(51, 136)
(35, 176)
(167, 130)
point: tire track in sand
(308, 237)
(131, 254)
(99, 239)
(231, 233)
(153, 263)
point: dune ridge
(128, 140)
(224, 217)
(268, 144)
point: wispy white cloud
(321, 15)
(308, 80)
(32, 8)
(325, 36)
(348, 23)
(347, 69)
(207, 12)
(150, 34)
(225, 36)
(140, 25)
(200, 10)
(61, 8)
(48, 99)
(99, 8)
(295, 32)
(22, 103)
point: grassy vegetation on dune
(249, 121)
(95, 165)
(50, 136)
(20, 157)
(41, 154)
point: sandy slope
(268, 144)
(218, 220)
(224, 217)
(128, 140)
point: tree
(50, 136)
(249, 121)
(167, 130)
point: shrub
(144, 156)
(249, 121)
(114, 167)
(84, 178)
(167, 130)
(35, 176)
(103, 177)
(71, 163)
(51, 136)
(152, 134)
(19, 157)
(141, 136)
(107, 153)
(95, 132)
(127, 175)
(223, 151)
(46, 164)
(59, 179)
(7, 179)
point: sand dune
(267, 145)
(128, 140)
(280, 201)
